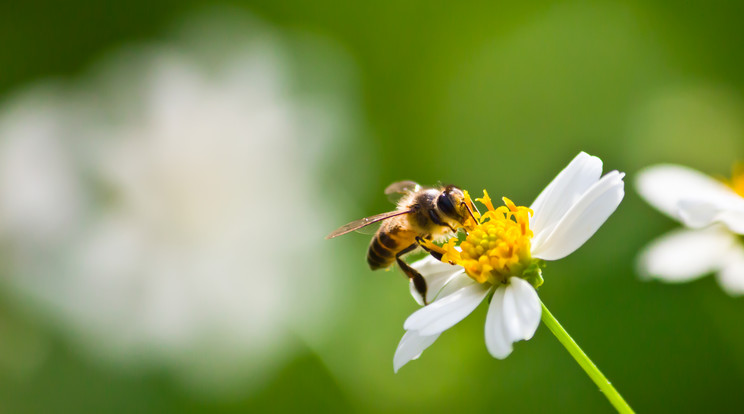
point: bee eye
(444, 203)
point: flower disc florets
(497, 245)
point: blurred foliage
(496, 95)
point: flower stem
(573, 348)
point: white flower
(566, 214)
(164, 209)
(714, 215)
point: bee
(423, 213)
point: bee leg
(418, 281)
(434, 217)
(434, 254)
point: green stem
(573, 348)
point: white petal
(431, 265)
(513, 315)
(664, 186)
(456, 282)
(436, 274)
(443, 287)
(497, 342)
(565, 189)
(410, 347)
(684, 255)
(727, 209)
(731, 277)
(526, 305)
(446, 312)
(583, 219)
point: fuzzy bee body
(423, 220)
(387, 243)
(422, 214)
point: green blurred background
(485, 95)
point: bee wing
(369, 229)
(402, 187)
(358, 224)
(396, 190)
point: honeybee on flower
(423, 214)
(499, 256)
(502, 256)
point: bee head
(451, 203)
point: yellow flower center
(496, 247)
(737, 179)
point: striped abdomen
(386, 244)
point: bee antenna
(469, 211)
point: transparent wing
(358, 224)
(396, 190)
(402, 187)
(369, 229)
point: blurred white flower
(168, 209)
(499, 256)
(714, 214)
